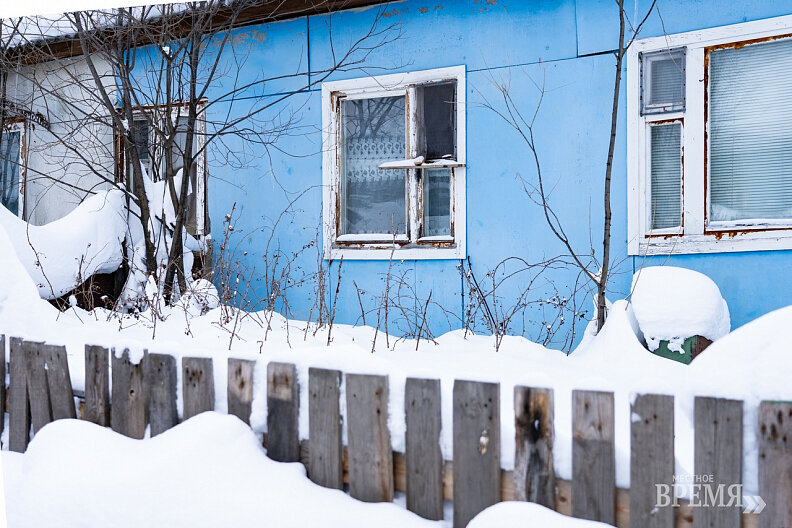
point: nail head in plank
(197, 386)
(240, 388)
(129, 411)
(477, 471)
(718, 452)
(775, 463)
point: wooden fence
(145, 394)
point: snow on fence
(144, 395)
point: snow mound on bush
(673, 304)
(521, 514)
(61, 255)
(209, 471)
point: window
(394, 166)
(148, 130)
(709, 140)
(12, 146)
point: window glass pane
(439, 120)
(180, 144)
(9, 170)
(666, 160)
(372, 132)
(437, 202)
(663, 81)
(750, 132)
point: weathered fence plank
(2, 377)
(240, 388)
(718, 453)
(325, 463)
(161, 377)
(651, 460)
(18, 402)
(593, 457)
(59, 382)
(197, 386)
(97, 385)
(129, 412)
(477, 471)
(422, 443)
(283, 407)
(775, 463)
(38, 390)
(534, 473)
(370, 454)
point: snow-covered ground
(750, 364)
(209, 471)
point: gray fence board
(2, 377)
(38, 390)
(775, 463)
(325, 462)
(651, 460)
(534, 473)
(198, 389)
(593, 457)
(477, 468)
(59, 382)
(97, 385)
(161, 376)
(129, 412)
(718, 452)
(283, 407)
(18, 402)
(369, 450)
(424, 460)
(240, 388)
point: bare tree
(165, 62)
(596, 271)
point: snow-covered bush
(672, 304)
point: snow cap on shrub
(673, 304)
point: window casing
(144, 127)
(12, 168)
(394, 166)
(729, 186)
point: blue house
(398, 193)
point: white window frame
(179, 110)
(696, 235)
(21, 127)
(406, 247)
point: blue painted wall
(563, 43)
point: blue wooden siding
(563, 41)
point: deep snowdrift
(209, 471)
(62, 254)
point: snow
(673, 304)
(613, 360)
(522, 514)
(61, 255)
(209, 471)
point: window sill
(388, 251)
(730, 241)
